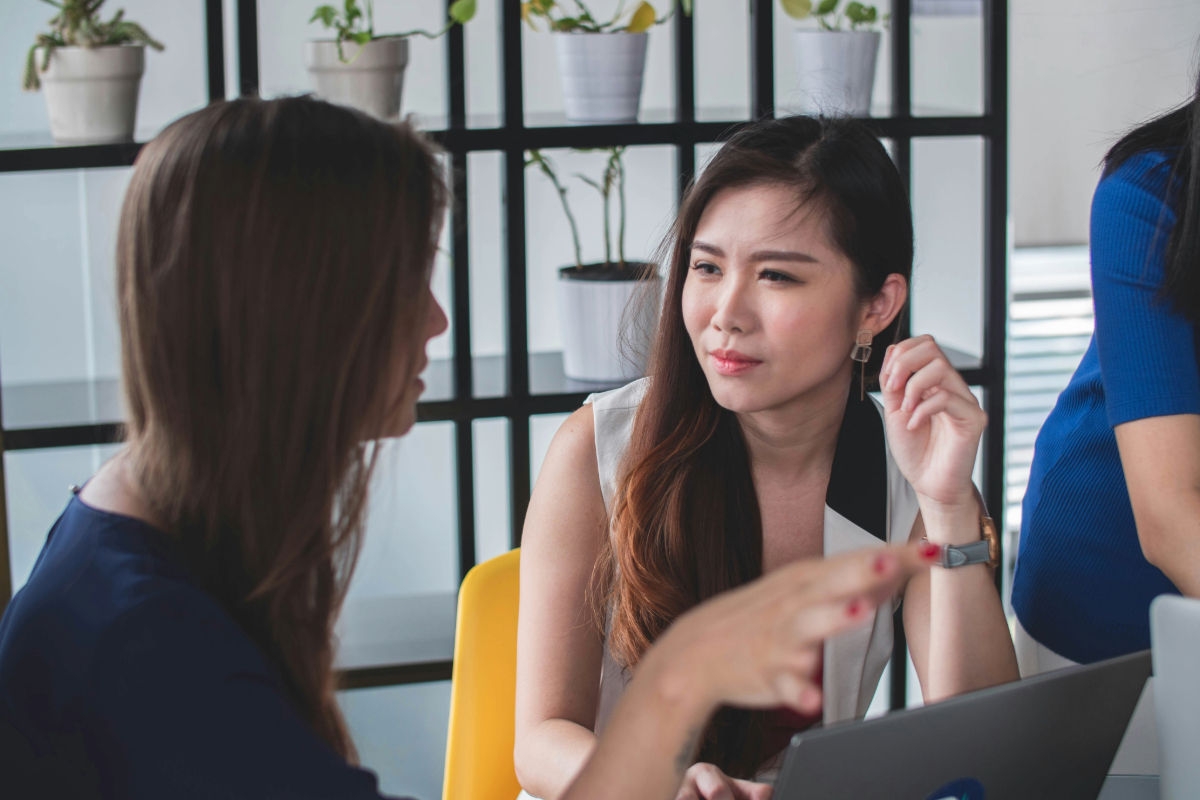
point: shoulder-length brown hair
(273, 261)
(685, 522)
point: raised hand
(933, 421)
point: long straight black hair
(1178, 132)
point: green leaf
(797, 9)
(826, 7)
(360, 37)
(686, 5)
(860, 14)
(462, 11)
(326, 15)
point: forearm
(1170, 540)
(969, 645)
(550, 754)
(651, 738)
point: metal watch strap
(961, 555)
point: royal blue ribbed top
(1082, 587)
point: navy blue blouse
(121, 678)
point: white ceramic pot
(601, 75)
(835, 71)
(607, 325)
(371, 79)
(92, 92)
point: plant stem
(536, 157)
(617, 153)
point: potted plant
(601, 61)
(607, 318)
(91, 71)
(360, 68)
(835, 62)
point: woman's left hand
(933, 420)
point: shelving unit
(521, 385)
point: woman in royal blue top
(175, 636)
(1112, 514)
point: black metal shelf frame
(512, 138)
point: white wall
(1082, 72)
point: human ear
(883, 307)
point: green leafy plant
(856, 15)
(581, 19)
(353, 23)
(611, 181)
(78, 24)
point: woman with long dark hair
(1111, 518)
(175, 638)
(751, 445)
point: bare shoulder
(567, 492)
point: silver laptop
(1175, 642)
(1048, 736)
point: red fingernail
(930, 550)
(881, 563)
(854, 607)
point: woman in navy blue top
(1111, 518)
(175, 636)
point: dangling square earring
(862, 354)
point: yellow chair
(479, 744)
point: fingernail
(931, 551)
(853, 607)
(881, 563)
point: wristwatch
(985, 551)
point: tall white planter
(607, 325)
(92, 92)
(835, 71)
(601, 75)
(371, 79)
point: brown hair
(686, 523)
(273, 266)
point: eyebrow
(759, 255)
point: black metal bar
(456, 74)
(762, 59)
(456, 89)
(247, 31)
(5, 560)
(63, 436)
(685, 96)
(902, 155)
(515, 255)
(373, 677)
(69, 157)
(214, 33)
(464, 441)
(995, 255)
(901, 29)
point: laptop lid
(1050, 735)
(1175, 642)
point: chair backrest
(479, 744)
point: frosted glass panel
(493, 534)
(486, 241)
(38, 487)
(947, 64)
(947, 191)
(58, 308)
(722, 61)
(541, 432)
(411, 535)
(400, 733)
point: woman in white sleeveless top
(752, 446)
